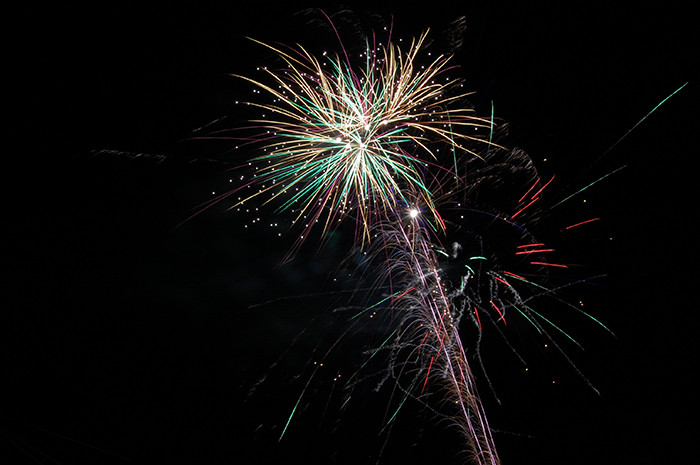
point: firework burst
(344, 143)
(363, 142)
(387, 142)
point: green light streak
(554, 326)
(377, 304)
(376, 351)
(586, 187)
(536, 326)
(284, 430)
(645, 117)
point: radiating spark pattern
(339, 140)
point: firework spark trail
(430, 327)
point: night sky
(128, 337)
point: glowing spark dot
(413, 213)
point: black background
(128, 340)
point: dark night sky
(128, 341)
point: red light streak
(582, 222)
(548, 264)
